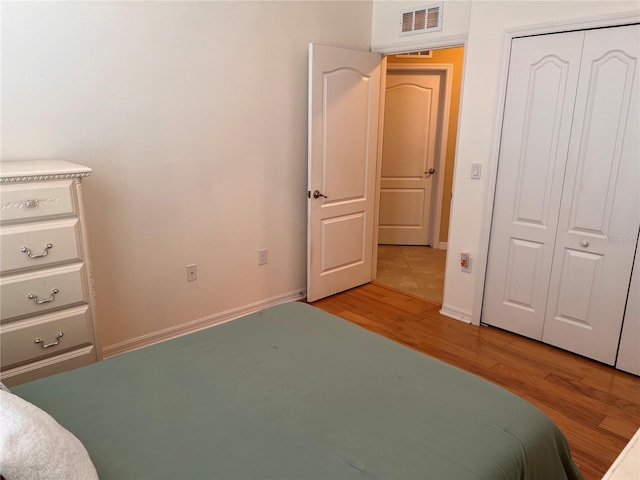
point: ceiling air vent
(422, 19)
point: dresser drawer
(33, 245)
(26, 201)
(58, 332)
(48, 289)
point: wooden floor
(596, 406)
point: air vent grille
(433, 18)
(407, 22)
(421, 20)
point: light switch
(476, 168)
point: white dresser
(47, 322)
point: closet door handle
(584, 243)
(27, 251)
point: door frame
(448, 42)
(446, 70)
(559, 26)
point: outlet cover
(465, 262)
(192, 273)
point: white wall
(193, 116)
(472, 202)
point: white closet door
(540, 96)
(600, 207)
(629, 351)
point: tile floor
(414, 269)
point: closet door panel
(540, 96)
(629, 351)
(600, 208)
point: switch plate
(192, 273)
(476, 170)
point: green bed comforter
(292, 392)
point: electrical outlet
(465, 262)
(192, 273)
(262, 256)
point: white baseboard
(199, 324)
(442, 245)
(455, 313)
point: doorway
(417, 267)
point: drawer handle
(34, 297)
(59, 335)
(27, 251)
(30, 203)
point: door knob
(430, 172)
(584, 243)
(317, 194)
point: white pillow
(34, 446)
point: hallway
(416, 270)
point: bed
(292, 392)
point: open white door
(344, 96)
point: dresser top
(40, 170)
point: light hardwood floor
(596, 406)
